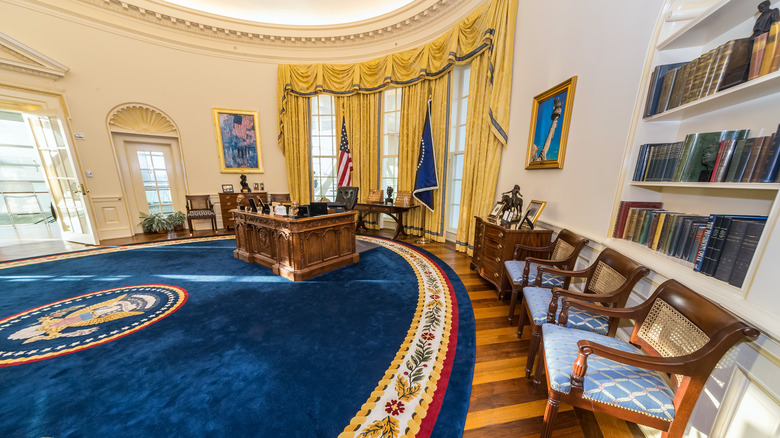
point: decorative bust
(765, 19)
(245, 185)
(389, 199)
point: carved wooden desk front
(296, 249)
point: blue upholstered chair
(562, 253)
(678, 338)
(608, 281)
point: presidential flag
(426, 180)
(345, 158)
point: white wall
(604, 43)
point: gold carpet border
(379, 416)
(106, 250)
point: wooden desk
(494, 244)
(296, 249)
(395, 212)
(227, 202)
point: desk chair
(200, 207)
(347, 196)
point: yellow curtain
(488, 35)
(295, 147)
(481, 159)
(361, 114)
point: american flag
(242, 126)
(345, 158)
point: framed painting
(550, 117)
(227, 188)
(238, 141)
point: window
(391, 124)
(155, 177)
(459, 104)
(323, 148)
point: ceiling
(296, 12)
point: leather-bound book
(757, 56)
(737, 64)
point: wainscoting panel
(111, 217)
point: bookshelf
(751, 105)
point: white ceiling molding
(140, 118)
(16, 56)
(416, 15)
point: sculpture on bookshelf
(765, 19)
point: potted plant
(154, 223)
(176, 220)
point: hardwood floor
(503, 403)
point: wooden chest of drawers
(494, 244)
(227, 202)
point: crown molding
(26, 60)
(388, 27)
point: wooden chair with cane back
(608, 281)
(654, 379)
(200, 207)
(562, 253)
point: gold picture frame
(533, 211)
(238, 140)
(550, 118)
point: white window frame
(459, 97)
(323, 143)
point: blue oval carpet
(181, 339)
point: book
(750, 164)
(730, 249)
(745, 254)
(763, 158)
(680, 82)
(656, 82)
(696, 243)
(703, 241)
(771, 169)
(699, 75)
(648, 226)
(675, 234)
(776, 56)
(666, 92)
(655, 235)
(735, 70)
(701, 159)
(641, 163)
(757, 56)
(723, 161)
(639, 224)
(718, 239)
(769, 51)
(666, 231)
(737, 162)
(625, 208)
(687, 237)
(718, 53)
(671, 164)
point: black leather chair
(348, 196)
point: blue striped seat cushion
(515, 270)
(606, 381)
(538, 301)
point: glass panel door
(66, 190)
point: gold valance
(491, 27)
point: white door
(152, 175)
(67, 190)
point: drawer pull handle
(501, 234)
(495, 274)
(500, 246)
(498, 259)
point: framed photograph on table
(496, 212)
(238, 141)
(550, 117)
(227, 188)
(533, 211)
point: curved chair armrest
(570, 294)
(612, 312)
(544, 249)
(672, 365)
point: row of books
(724, 156)
(718, 245)
(765, 54)
(725, 66)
